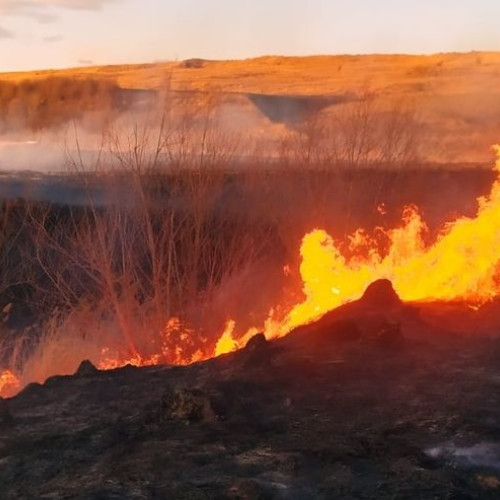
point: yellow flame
(226, 342)
(462, 264)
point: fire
(9, 384)
(226, 343)
(462, 264)
(180, 354)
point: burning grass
(127, 311)
(180, 258)
(177, 258)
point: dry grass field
(456, 96)
(449, 74)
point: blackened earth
(350, 407)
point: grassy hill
(457, 95)
(448, 73)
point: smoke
(4, 33)
(478, 455)
(50, 151)
(38, 153)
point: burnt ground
(351, 407)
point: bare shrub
(38, 104)
(160, 246)
(170, 225)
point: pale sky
(62, 33)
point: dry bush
(174, 228)
(53, 101)
(161, 246)
(342, 143)
(360, 134)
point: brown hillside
(443, 73)
(457, 95)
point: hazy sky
(61, 33)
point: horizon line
(249, 58)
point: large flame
(462, 264)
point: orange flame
(9, 384)
(462, 264)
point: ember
(9, 384)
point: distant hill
(457, 95)
(301, 75)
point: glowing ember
(9, 384)
(110, 362)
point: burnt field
(441, 190)
(372, 401)
(163, 282)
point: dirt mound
(381, 293)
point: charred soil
(351, 407)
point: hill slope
(457, 96)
